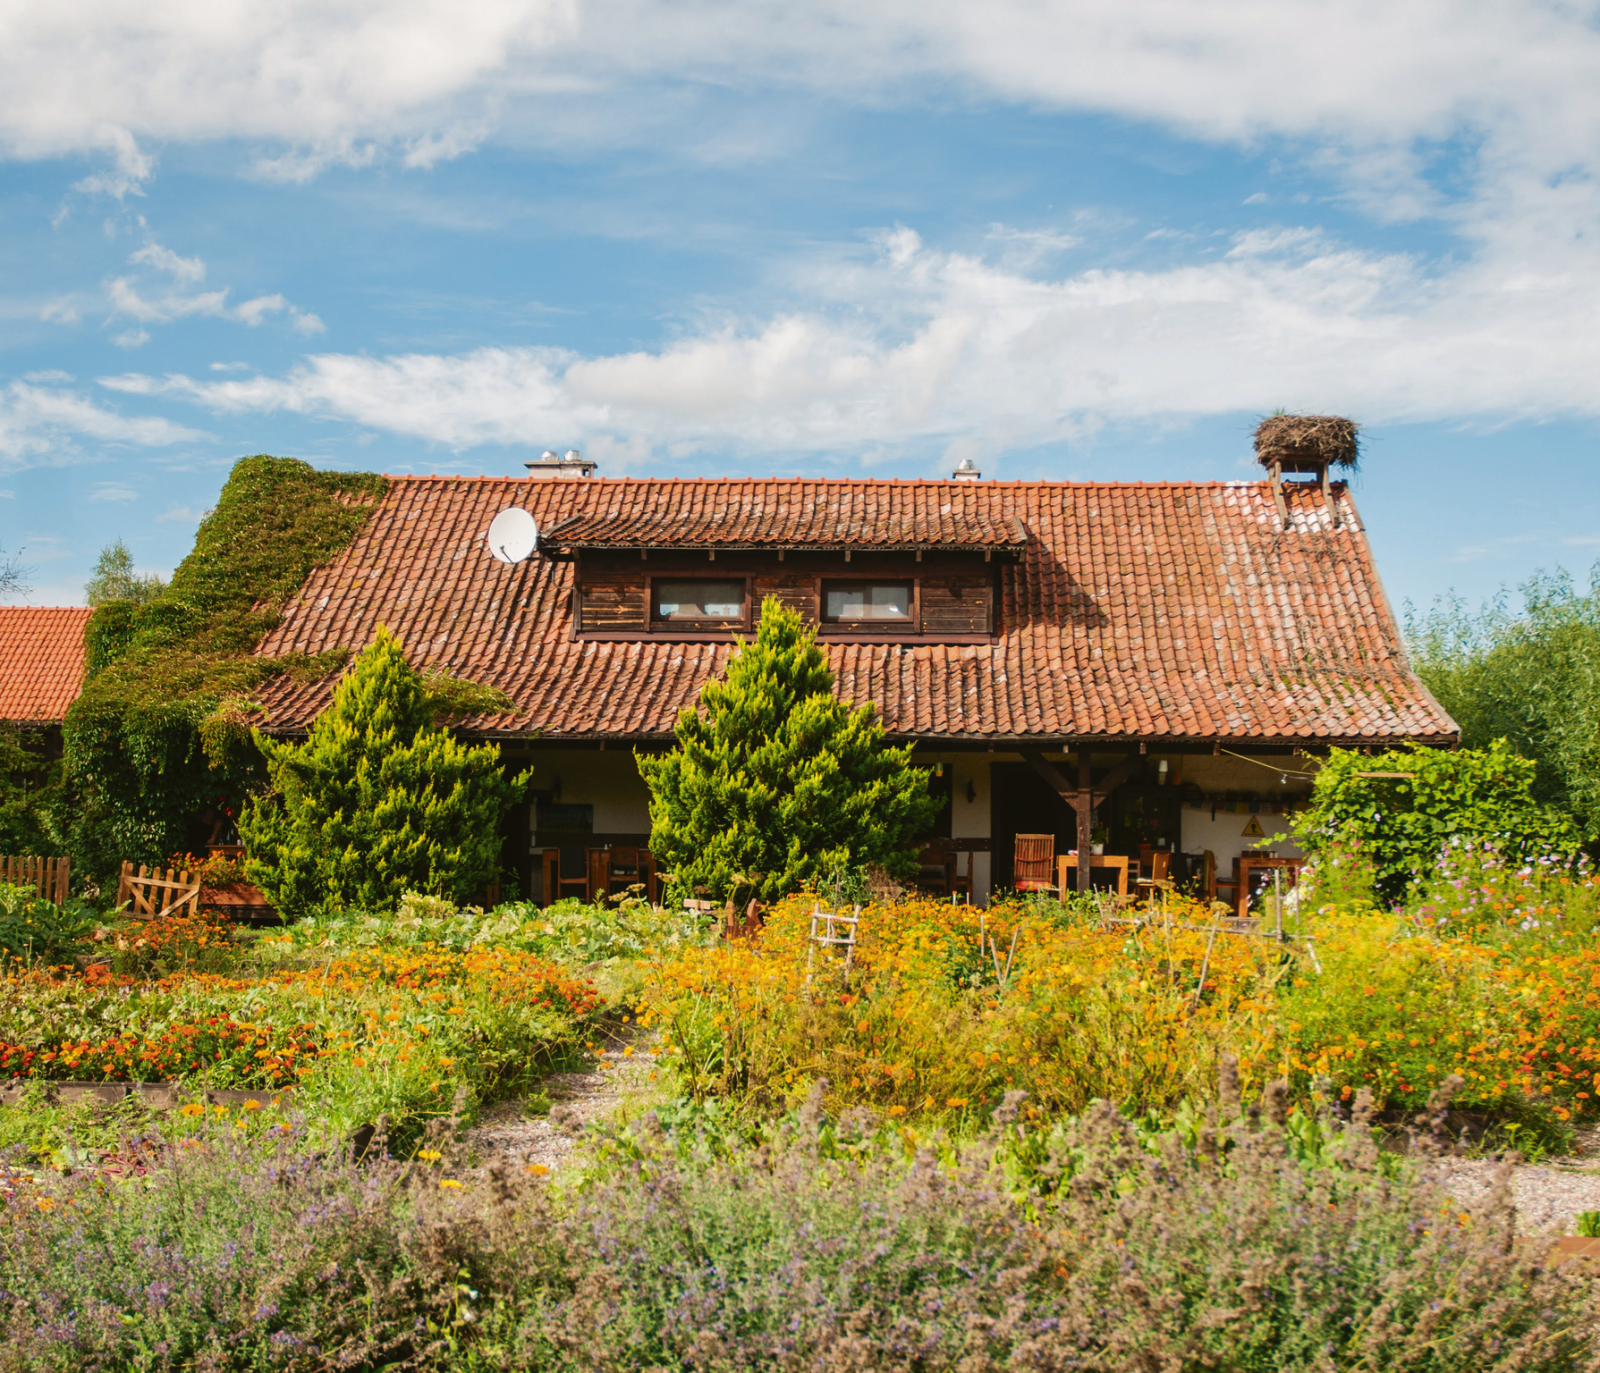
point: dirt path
(623, 1079)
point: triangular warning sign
(1253, 830)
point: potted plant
(1097, 839)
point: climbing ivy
(161, 731)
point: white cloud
(325, 84)
(48, 375)
(165, 305)
(131, 338)
(59, 312)
(113, 491)
(130, 167)
(40, 424)
(915, 346)
(185, 271)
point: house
(41, 667)
(1165, 659)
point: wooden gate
(155, 892)
(47, 876)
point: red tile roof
(1159, 611)
(41, 661)
(784, 512)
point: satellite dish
(513, 535)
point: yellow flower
(448, 1182)
(194, 1108)
(537, 1169)
(252, 1105)
(956, 1101)
(429, 1154)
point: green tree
(377, 802)
(1398, 809)
(114, 579)
(774, 783)
(1530, 677)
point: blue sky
(1094, 239)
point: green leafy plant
(774, 783)
(378, 801)
(159, 732)
(36, 931)
(1529, 675)
(1397, 810)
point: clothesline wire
(1271, 767)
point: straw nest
(1292, 439)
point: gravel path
(622, 1080)
(623, 1076)
(1547, 1196)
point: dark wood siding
(799, 593)
(615, 605)
(956, 605)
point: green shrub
(34, 931)
(775, 784)
(1397, 810)
(377, 802)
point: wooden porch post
(1083, 798)
(1083, 804)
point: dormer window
(864, 602)
(698, 601)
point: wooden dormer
(943, 596)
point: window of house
(700, 599)
(875, 602)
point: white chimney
(548, 467)
(966, 472)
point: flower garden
(969, 1047)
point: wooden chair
(1159, 878)
(1213, 880)
(1034, 863)
(936, 870)
(623, 869)
(572, 873)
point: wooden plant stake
(1205, 963)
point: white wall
(1224, 835)
(609, 781)
(968, 819)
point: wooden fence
(156, 892)
(47, 876)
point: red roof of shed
(1154, 611)
(41, 661)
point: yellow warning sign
(1253, 830)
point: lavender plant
(1231, 1246)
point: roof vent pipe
(965, 472)
(547, 466)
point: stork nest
(1311, 439)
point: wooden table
(1247, 863)
(1068, 862)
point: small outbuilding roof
(41, 661)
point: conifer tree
(774, 783)
(377, 802)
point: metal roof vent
(548, 467)
(965, 472)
